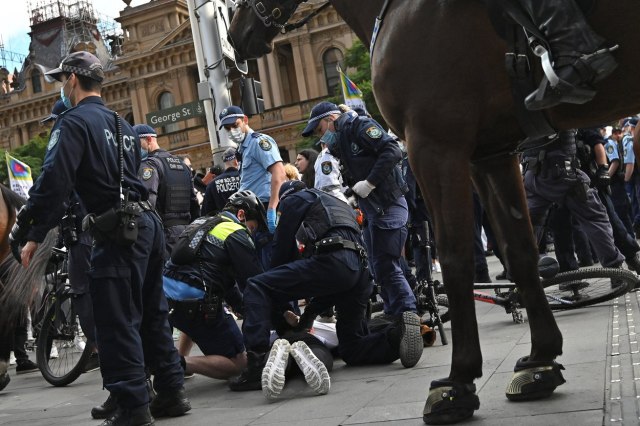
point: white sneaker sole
(273, 372)
(411, 343)
(315, 372)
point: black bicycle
(564, 291)
(61, 348)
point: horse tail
(19, 285)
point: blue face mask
(65, 100)
(329, 138)
(144, 153)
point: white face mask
(236, 135)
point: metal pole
(213, 87)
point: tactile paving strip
(622, 400)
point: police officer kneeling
(211, 255)
(333, 270)
(97, 154)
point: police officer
(168, 181)
(130, 311)
(370, 159)
(328, 178)
(552, 176)
(202, 271)
(333, 271)
(631, 175)
(580, 56)
(262, 170)
(617, 167)
(223, 185)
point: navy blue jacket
(82, 155)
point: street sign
(175, 114)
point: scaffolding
(9, 56)
(79, 19)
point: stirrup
(449, 402)
(534, 380)
(554, 90)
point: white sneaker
(315, 372)
(435, 267)
(80, 344)
(54, 352)
(12, 359)
(273, 372)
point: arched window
(331, 59)
(166, 101)
(36, 83)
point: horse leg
(450, 203)
(498, 182)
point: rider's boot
(577, 54)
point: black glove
(602, 180)
(18, 234)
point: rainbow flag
(19, 176)
(352, 95)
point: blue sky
(14, 23)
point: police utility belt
(544, 165)
(119, 225)
(335, 243)
(197, 309)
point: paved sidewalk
(600, 356)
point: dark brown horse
(439, 79)
(18, 285)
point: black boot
(106, 410)
(140, 416)
(251, 377)
(170, 404)
(575, 54)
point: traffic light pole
(212, 88)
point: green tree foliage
(32, 154)
(357, 58)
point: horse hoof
(449, 402)
(534, 380)
(4, 380)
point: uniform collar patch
(53, 139)
(374, 133)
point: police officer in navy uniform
(370, 166)
(223, 185)
(130, 310)
(168, 181)
(213, 254)
(552, 176)
(332, 270)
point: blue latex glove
(272, 218)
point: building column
(314, 86)
(300, 69)
(273, 79)
(267, 90)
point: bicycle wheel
(584, 287)
(61, 351)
